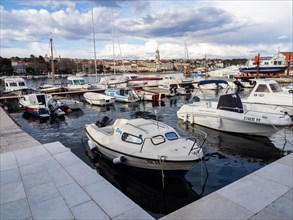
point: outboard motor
(104, 122)
(55, 108)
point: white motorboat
(123, 95)
(144, 144)
(98, 99)
(41, 105)
(71, 104)
(229, 114)
(15, 85)
(77, 83)
(268, 93)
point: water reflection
(235, 145)
(157, 195)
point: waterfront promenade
(47, 181)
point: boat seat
(120, 121)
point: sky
(135, 29)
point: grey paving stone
(111, 200)
(32, 155)
(213, 206)
(289, 194)
(42, 193)
(137, 213)
(88, 210)
(51, 165)
(12, 192)
(28, 169)
(287, 160)
(56, 147)
(36, 179)
(282, 207)
(74, 194)
(18, 209)
(253, 192)
(54, 208)
(9, 176)
(61, 177)
(277, 172)
(67, 159)
(8, 161)
(83, 174)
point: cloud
(282, 37)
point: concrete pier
(47, 181)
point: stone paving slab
(50, 182)
(264, 194)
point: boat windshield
(275, 87)
(21, 84)
(262, 88)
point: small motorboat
(66, 103)
(77, 83)
(148, 95)
(268, 93)
(41, 105)
(98, 99)
(229, 114)
(123, 95)
(143, 143)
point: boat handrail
(137, 127)
(205, 135)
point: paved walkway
(49, 182)
(264, 194)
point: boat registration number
(153, 162)
(251, 119)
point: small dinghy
(98, 99)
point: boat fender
(120, 159)
(68, 110)
(91, 145)
(291, 91)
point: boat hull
(251, 124)
(144, 163)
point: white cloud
(217, 28)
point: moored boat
(123, 95)
(41, 105)
(229, 114)
(77, 83)
(268, 93)
(142, 143)
(98, 99)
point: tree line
(36, 65)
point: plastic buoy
(68, 110)
(119, 159)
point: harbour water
(228, 157)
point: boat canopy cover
(211, 81)
(230, 102)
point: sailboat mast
(52, 60)
(113, 44)
(94, 39)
